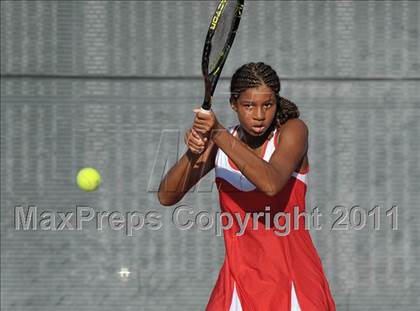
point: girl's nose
(259, 114)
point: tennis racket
(219, 40)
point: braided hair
(256, 74)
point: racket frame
(211, 78)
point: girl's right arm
(192, 166)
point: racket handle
(204, 110)
(206, 106)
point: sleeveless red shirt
(267, 267)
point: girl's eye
(267, 105)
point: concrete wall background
(112, 85)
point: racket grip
(206, 106)
(205, 110)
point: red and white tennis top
(264, 271)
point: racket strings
(221, 34)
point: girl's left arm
(269, 177)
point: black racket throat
(210, 86)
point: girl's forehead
(261, 92)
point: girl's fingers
(197, 140)
(200, 122)
(195, 133)
(187, 137)
(195, 144)
(200, 128)
(195, 148)
(199, 137)
(195, 151)
(203, 116)
(200, 115)
(202, 135)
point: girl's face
(256, 109)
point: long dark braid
(255, 74)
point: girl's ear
(234, 104)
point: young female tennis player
(261, 166)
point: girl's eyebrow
(251, 102)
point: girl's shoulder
(295, 126)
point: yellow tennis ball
(88, 179)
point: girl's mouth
(258, 129)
